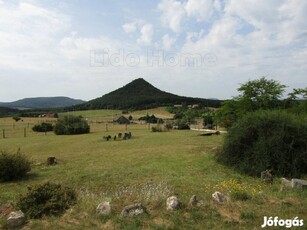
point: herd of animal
(126, 136)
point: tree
(297, 101)
(260, 94)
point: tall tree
(260, 94)
(254, 95)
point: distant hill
(42, 102)
(139, 94)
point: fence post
(25, 132)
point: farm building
(121, 120)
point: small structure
(121, 120)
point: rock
(266, 176)
(51, 161)
(15, 219)
(133, 210)
(220, 197)
(285, 184)
(104, 208)
(193, 201)
(300, 184)
(172, 203)
(5, 209)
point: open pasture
(147, 168)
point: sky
(202, 48)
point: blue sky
(201, 48)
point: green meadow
(148, 168)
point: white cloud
(146, 35)
(249, 38)
(173, 13)
(201, 9)
(168, 42)
(130, 27)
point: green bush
(13, 166)
(71, 125)
(43, 127)
(267, 140)
(47, 199)
(156, 129)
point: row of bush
(67, 126)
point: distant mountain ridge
(42, 102)
(139, 94)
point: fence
(24, 129)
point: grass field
(147, 168)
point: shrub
(71, 125)
(267, 140)
(47, 199)
(183, 126)
(13, 166)
(156, 129)
(16, 118)
(43, 127)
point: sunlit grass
(147, 168)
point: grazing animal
(114, 138)
(130, 134)
(107, 138)
(119, 135)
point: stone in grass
(220, 197)
(194, 201)
(285, 184)
(104, 208)
(267, 176)
(133, 210)
(300, 184)
(172, 203)
(15, 219)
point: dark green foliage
(267, 140)
(47, 199)
(151, 119)
(43, 127)
(139, 94)
(7, 112)
(16, 118)
(259, 94)
(182, 126)
(156, 129)
(71, 125)
(187, 115)
(13, 166)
